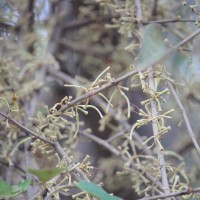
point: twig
(82, 23)
(59, 188)
(88, 50)
(125, 76)
(96, 91)
(163, 21)
(184, 147)
(98, 101)
(169, 21)
(154, 112)
(190, 131)
(102, 142)
(138, 11)
(77, 170)
(155, 8)
(15, 165)
(6, 25)
(112, 149)
(173, 194)
(56, 145)
(117, 135)
(25, 129)
(123, 122)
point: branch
(112, 149)
(162, 21)
(174, 194)
(82, 23)
(169, 21)
(189, 128)
(6, 25)
(138, 11)
(67, 79)
(88, 50)
(125, 76)
(31, 21)
(58, 188)
(154, 112)
(25, 129)
(56, 145)
(98, 101)
(62, 153)
(15, 165)
(96, 91)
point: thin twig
(82, 23)
(58, 189)
(56, 145)
(169, 21)
(98, 101)
(138, 12)
(96, 91)
(112, 149)
(125, 76)
(189, 128)
(15, 165)
(77, 170)
(154, 112)
(173, 194)
(25, 129)
(162, 21)
(117, 135)
(86, 50)
(123, 121)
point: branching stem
(77, 171)
(154, 113)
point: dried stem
(112, 149)
(25, 129)
(164, 21)
(98, 101)
(70, 26)
(189, 128)
(173, 194)
(125, 76)
(58, 189)
(77, 170)
(56, 145)
(138, 12)
(154, 112)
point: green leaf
(43, 110)
(96, 191)
(7, 191)
(46, 174)
(177, 65)
(153, 47)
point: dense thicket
(105, 91)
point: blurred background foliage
(81, 38)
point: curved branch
(187, 122)
(173, 194)
(116, 81)
(154, 113)
(55, 144)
